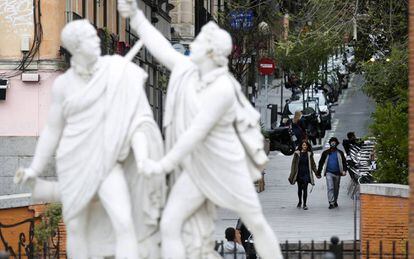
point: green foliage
(304, 55)
(108, 41)
(317, 30)
(390, 128)
(163, 82)
(384, 31)
(251, 43)
(388, 80)
(48, 227)
(381, 24)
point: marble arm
(154, 41)
(49, 138)
(216, 102)
(140, 147)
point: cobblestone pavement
(280, 198)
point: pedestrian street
(280, 198)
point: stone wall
(17, 152)
(384, 217)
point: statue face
(199, 48)
(89, 45)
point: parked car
(311, 117)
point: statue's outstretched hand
(127, 8)
(24, 176)
(150, 167)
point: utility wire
(34, 49)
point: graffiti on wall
(16, 15)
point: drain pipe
(68, 11)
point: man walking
(333, 165)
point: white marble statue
(208, 160)
(99, 125)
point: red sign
(266, 66)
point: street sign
(242, 60)
(241, 19)
(266, 66)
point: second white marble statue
(210, 164)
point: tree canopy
(318, 28)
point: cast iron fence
(325, 250)
(26, 246)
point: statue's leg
(185, 198)
(265, 241)
(115, 198)
(77, 246)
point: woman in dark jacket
(301, 171)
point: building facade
(31, 57)
(188, 16)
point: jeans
(302, 191)
(332, 184)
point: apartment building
(31, 57)
(187, 18)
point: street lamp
(264, 28)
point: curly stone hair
(73, 33)
(219, 43)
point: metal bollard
(335, 248)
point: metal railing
(26, 246)
(397, 249)
(333, 249)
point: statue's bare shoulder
(60, 86)
(224, 87)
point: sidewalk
(289, 223)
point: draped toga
(100, 121)
(218, 166)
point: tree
(381, 24)
(387, 79)
(387, 83)
(319, 29)
(390, 127)
(253, 26)
(383, 35)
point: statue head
(81, 40)
(212, 43)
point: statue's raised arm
(155, 42)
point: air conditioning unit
(4, 83)
(30, 77)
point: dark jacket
(324, 160)
(295, 167)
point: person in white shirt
(232, 247)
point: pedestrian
(333, 164)
(297, 128)
(246, 239)
(233, 249)
(350, 141)
(303, 165)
